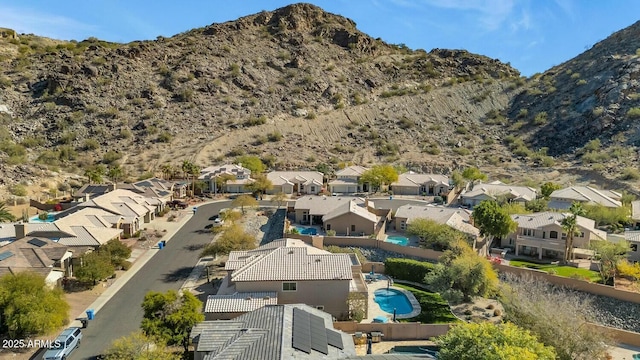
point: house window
(634, 247)
(403, 225)
(553, 234)
(289, 286)
(328, 227)
(320, 307)
(313, 189)
(581, 235)
(527, 232)
(564, 236)
(353, 228)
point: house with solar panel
(293, 331)
(286, 271)
(42, 256)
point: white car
(66, 342)
(218, 222)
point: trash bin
(90, 314)
(390, 197)
(164, 243)
(161, 245)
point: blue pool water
(398, 240)
(307, 230)
(392, 299)
(50, 218)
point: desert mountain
(300, 88)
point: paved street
(166, 270)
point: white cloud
(491, 14)
(25, 20)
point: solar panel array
(6, 255)
(310, 333)
(37, 242)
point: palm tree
(167, 171)
(570, 226)
(194, 171)
(115, 173)
(5, 215)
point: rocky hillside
(297, 86)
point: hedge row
(407, 269)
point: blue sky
(532, 35)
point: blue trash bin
(161, 245)
(90, 314)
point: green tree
(537, 205)
(233, 238)
(138, 346)
(170, 316)
(457, 179)
(489, 341)
(473, 174)
(115, 173)
(279, 198)
(627, 198)
(222, 180)
(95, 266)
(570, 225)
(357, 303)
(95, 173)
(252, 163)
(5, 214)
(260, 185)
(547, 188)
(462, 274)
(379, 175)
(117, 251)
(28, 307)
(168, 171)
(558, 316)
(492, 220)
(610, 254)
(244, 200)
(433, 235)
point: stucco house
(274, 332)
(296, 273)
(458, 219)
(495, 190)
(410, 183)
(351, 218)
(563, 198)
(633, 238)
(296, 182)
(541, 234)
(347, 181)
(42, 256)
(238, 175)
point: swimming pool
(398, 240)
(306, 230)
(51, 217)
(390, 299)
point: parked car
(177, 204)
(65, 343)
(218, 222)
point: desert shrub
(407, 269)
(91, 144)
(634, 113)
(541, 118)
(274, 136)
(18, 190)
(254, 121)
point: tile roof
(351, 207)
(354, 170)
(240, 302)
(632, 236)
(635, 210)
(279, 178)
(289, 263)
(543, 219)
(267, 333)
(322, 205)
(585, 194)
(93, 190)
(231, 169)
(412, 179)
(458, 219)
(42, 253)
(497, 188)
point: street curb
(137, 265)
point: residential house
(180, 189)
(42, 256)
(410, 183)
(633, 238)
(496, 190)
(87, 228)
(458, 219)
(564, 198)
(88, 191)
(227, 307)
(541, 234)
(274, 332)
(351, 218)
(239, 175)
(348, 181)
(296, 182)
(310, 210)
(296, 273)
(154, 188)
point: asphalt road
(166, 270)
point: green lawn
(567, 271)
(434, 309)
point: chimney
(366, 203)
(21, 230)
(87, 197)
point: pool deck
(413, 241)
(374, 308)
